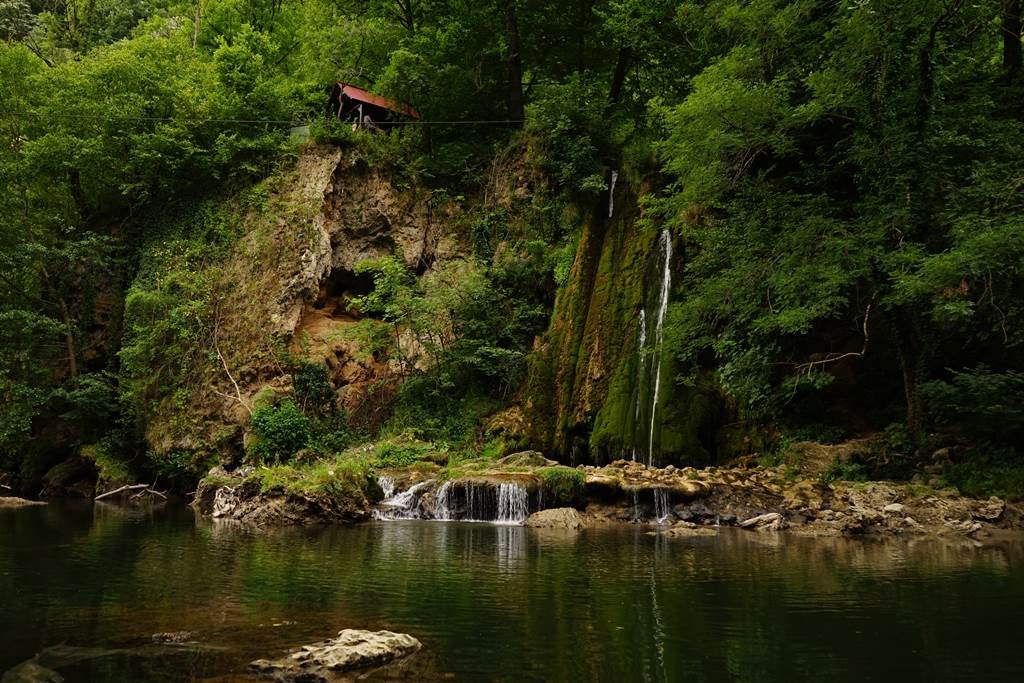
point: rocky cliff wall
(588, 401)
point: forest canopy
(845, 181)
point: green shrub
(563, 486)
(998, 472)
(313, 387)
(984, 404)
(396, 454)
(281, 431)
(850, 471)
(332, 433)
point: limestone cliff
(285, 289)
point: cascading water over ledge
(405, 504)
(499, 502)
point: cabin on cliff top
(366, 110)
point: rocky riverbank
(526, 488)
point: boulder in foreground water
(555, 518)
(352, 649)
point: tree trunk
(407, 15)
(911, 357)
(583, 9)
(1011, 37)
(619, 77)
(514, 65)
(69, 338)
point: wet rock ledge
(527, 488)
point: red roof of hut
(361, 95)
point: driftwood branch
(126, 487)
(809, 366)
(224, 363)
(151, 491)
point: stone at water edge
(352, 649)
(771, 521)
(15, 502)
(555, 518)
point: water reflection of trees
(593, 605)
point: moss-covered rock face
(590, 396)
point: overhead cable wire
(175, 119)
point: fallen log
(126, 487)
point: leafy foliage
(281, 431)
(844, 181)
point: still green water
(502, 603)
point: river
(88, 586)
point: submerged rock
(689, 529)
(15, 502)
(352, 649)
(174, 637)
(555, 518)
(31, 672)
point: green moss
(563, 486)
(109, 466)
(342, 475)
(397, 453)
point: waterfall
(611, 194)
(662, 505)
(513, 503)
(502, 503)
(443, 502)
(665, 284)
(401, 505)
(636, 504)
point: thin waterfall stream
(611, 194)
(665, 243)
(650, 338)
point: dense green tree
(844, 181)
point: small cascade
(401, 505)
(662, 505)
(611, 194)
(636, 505)
(467, 501)
(513, 503)
(443, 502)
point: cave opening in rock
(338, 290)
